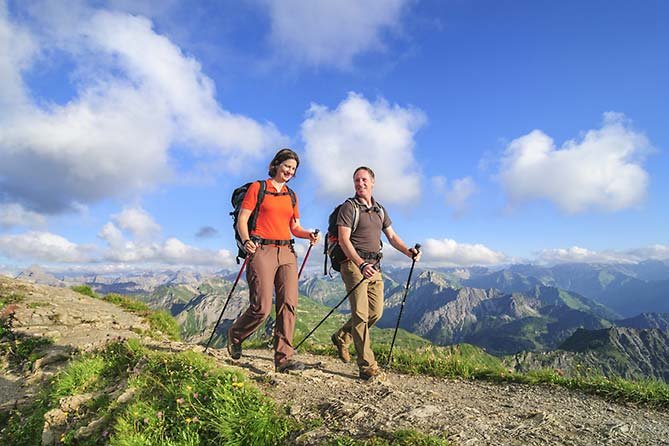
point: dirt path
(465, 412)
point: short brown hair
(371, 172)
(281, 156)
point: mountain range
(541, 316)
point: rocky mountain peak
(37, 274)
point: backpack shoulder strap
(356, 213)
(261, 191)
(256, 210)
(291, 192)
(382, 213)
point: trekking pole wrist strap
(362, 266)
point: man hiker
(363, 250)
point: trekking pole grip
(417, 248)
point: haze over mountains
(611, 317)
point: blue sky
(500, 131)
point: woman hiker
(272, 263)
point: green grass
(179, 399)
(455, 361)
(132, 305)
(162, 321)
(85, 290)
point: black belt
(264, 241)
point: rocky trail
(465, 412)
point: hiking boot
(372, 374)
(291, 364)
(342, 348)
(235, 350)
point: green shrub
(85, 290)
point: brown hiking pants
(271, 268)
(366, 309)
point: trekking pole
(413, 263)
(331, 311)
(304, 262)
(226, 303)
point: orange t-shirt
(275, 212)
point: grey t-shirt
(367, 236)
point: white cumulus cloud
(331, 32)
(601, 171)
(43, 246)
(358, 132)
(447, 252)
(136, 96)
(138, 222)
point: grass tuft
(163, 322)
(85, 290)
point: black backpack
(238, 197)
(332, 248)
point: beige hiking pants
(366, 309)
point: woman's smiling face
(286, 170)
